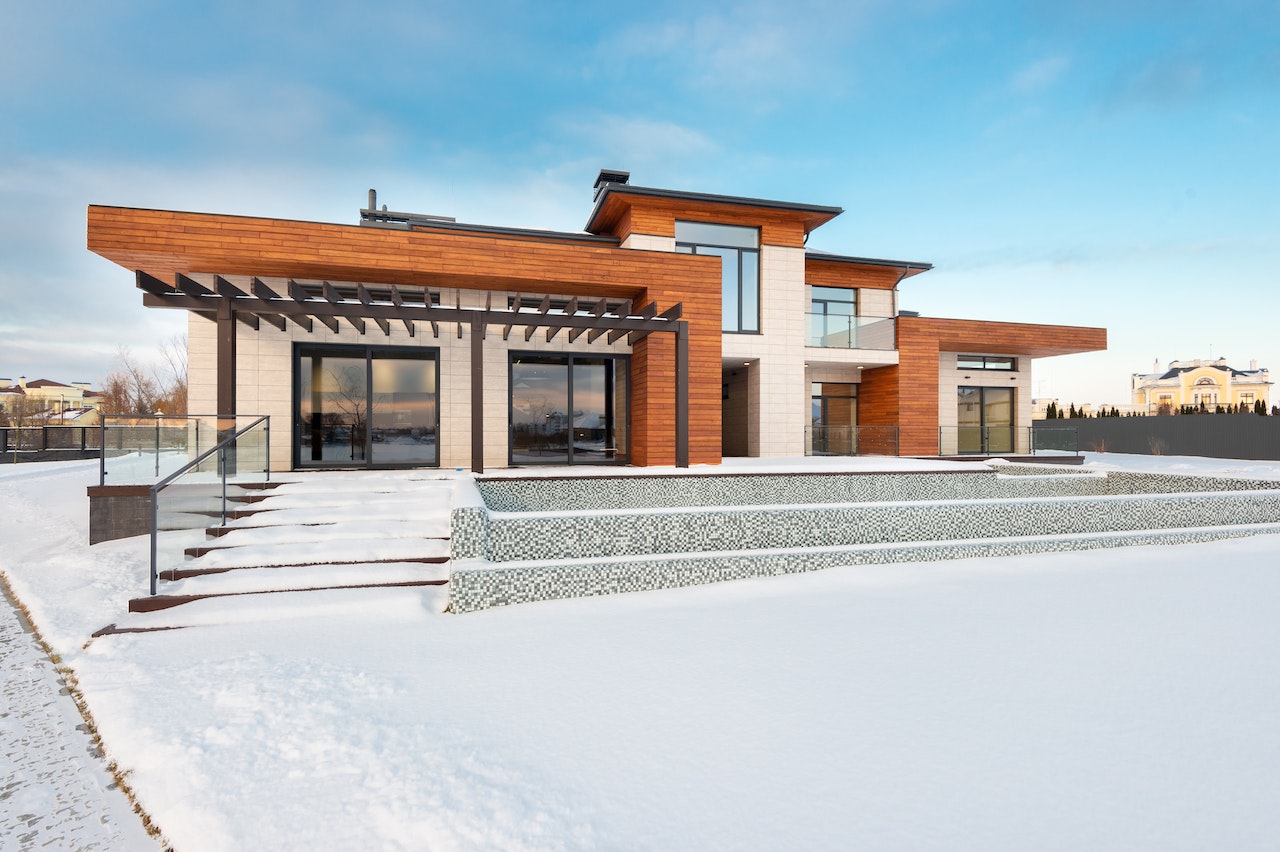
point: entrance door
(360, 406)
(568, 409)
(984, 420)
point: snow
(1120, 699)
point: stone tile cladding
(600, 535)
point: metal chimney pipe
(373, 199)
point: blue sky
(1090, 163)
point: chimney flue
(373, 199)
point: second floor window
(739, 251)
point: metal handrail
(119, 423)
(221, 450)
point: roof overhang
(1029, 340)
(615, 199)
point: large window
(568, 409)
(739, 251)
(366, 406)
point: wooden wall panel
(639, 214)
(838, 274)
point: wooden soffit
(1029, 340)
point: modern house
(676, 328)
(1210, 383)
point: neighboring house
(678, 328)
(50, 395)
(1211, 382)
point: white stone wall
(777, 394)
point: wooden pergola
(252, 300)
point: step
(319, 552)
(297, 534)
(185, 573)
(159, 602)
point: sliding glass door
(568, 409)
(984, 420)
(364, 406)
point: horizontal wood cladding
(1007, 338)
(653, 376)
(843, 274)
(626, 215)
(164, 242)
(917, 388)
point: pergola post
(682, 393)
(226, 319)
(477, 393)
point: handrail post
(157, 446)
(267, 470)
(102, 451)
(155, 534)
(222, 474)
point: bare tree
(20, 413)
(129, 389)
(174, 394)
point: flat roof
(913, 267)
(609, 189)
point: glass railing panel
(1055, 441)
(851, 440)
(836, 331)
(204, 494)
(144, 450)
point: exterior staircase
(313, 532)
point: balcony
(838, 331)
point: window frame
(685, 246)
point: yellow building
(51, 396)
(1211, 382)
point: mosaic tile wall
(556, 495)
(478, 588)
(574, 535)
(592, 534)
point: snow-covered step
(241, 581)
(319, 552)
(299, 534)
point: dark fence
(48, 443)
(1222, 436)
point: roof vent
(608, 176)
(385, 218)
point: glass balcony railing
(837, 331)
(851, 440)
(144, 450)
(995, 440)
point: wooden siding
(624, 215)
(164, 242)
(843, 274)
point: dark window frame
(987, 362)
(302, 349)
(687, 247)
(622, 456)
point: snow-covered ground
(1123, 699)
